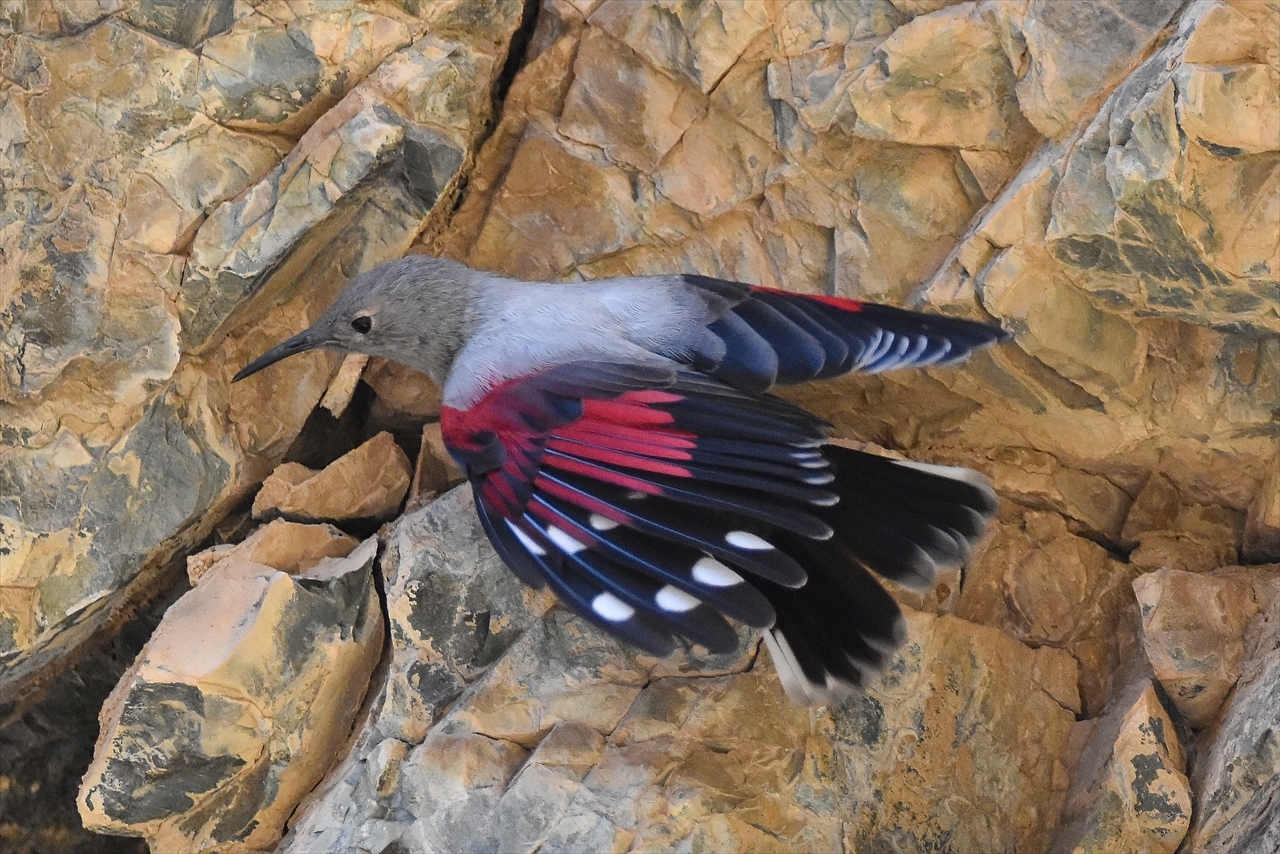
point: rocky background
(337, 661)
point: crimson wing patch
(642, 497)
(661, 505)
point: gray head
(412, 310)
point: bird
(624, 449)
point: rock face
(1130, 791)
(367, 483)
(163, 165)
(1237, 778)
(500, 730)
(230, 714)
(1195, 631)
(186, 185)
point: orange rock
(1130, 791)
(1262, 524)
(401, 391)
(287, 546)
(231, 712)
(338, 395)
(367, 483)
(1195, 632)
(1236, 774)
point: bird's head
(410, 310)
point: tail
(903, 520)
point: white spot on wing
(748, 541)
(602, 523)
(563, 541)
(676, 600)
(636, 495)
(529, 544)
(612, 608)
(713, 573)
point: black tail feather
(903, 520)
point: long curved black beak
(299, 343)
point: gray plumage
(470, 331)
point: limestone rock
(1194, 631)
(1036, 479)
(920, 716)
(230, 714)
(187, 24)
(625, 106)
(1070, 52)
(1100, 385)
(941, 79)
(436, 471)
(1238, 769)
(1130, 791)
(1218, 264)
(1262, 525)
(698, 42)
(561, 739)
(367, 483)
(343, 386)
(54, 17)
(402, 392)
(1175, 534)
(141, 224)
(260, 75)
(287, 546)
(1045, 586)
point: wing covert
(645, 500)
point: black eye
(362, 324)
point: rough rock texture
(186, 185)
(160, 166)
(367, 483)
(45, 749)
(1236, 779)
(436, 471)
(1130, 791)
(231, 712)
(1047, 587)
(1195, 631)
(499, 730)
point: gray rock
(1237, 774)
(546, 734)
(1076, 50)
(1131, 212)
(182, 22)
(228, 716)
(136, 226)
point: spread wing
(773, 336)
(661, 502)
(586, 474)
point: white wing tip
(798, 687)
